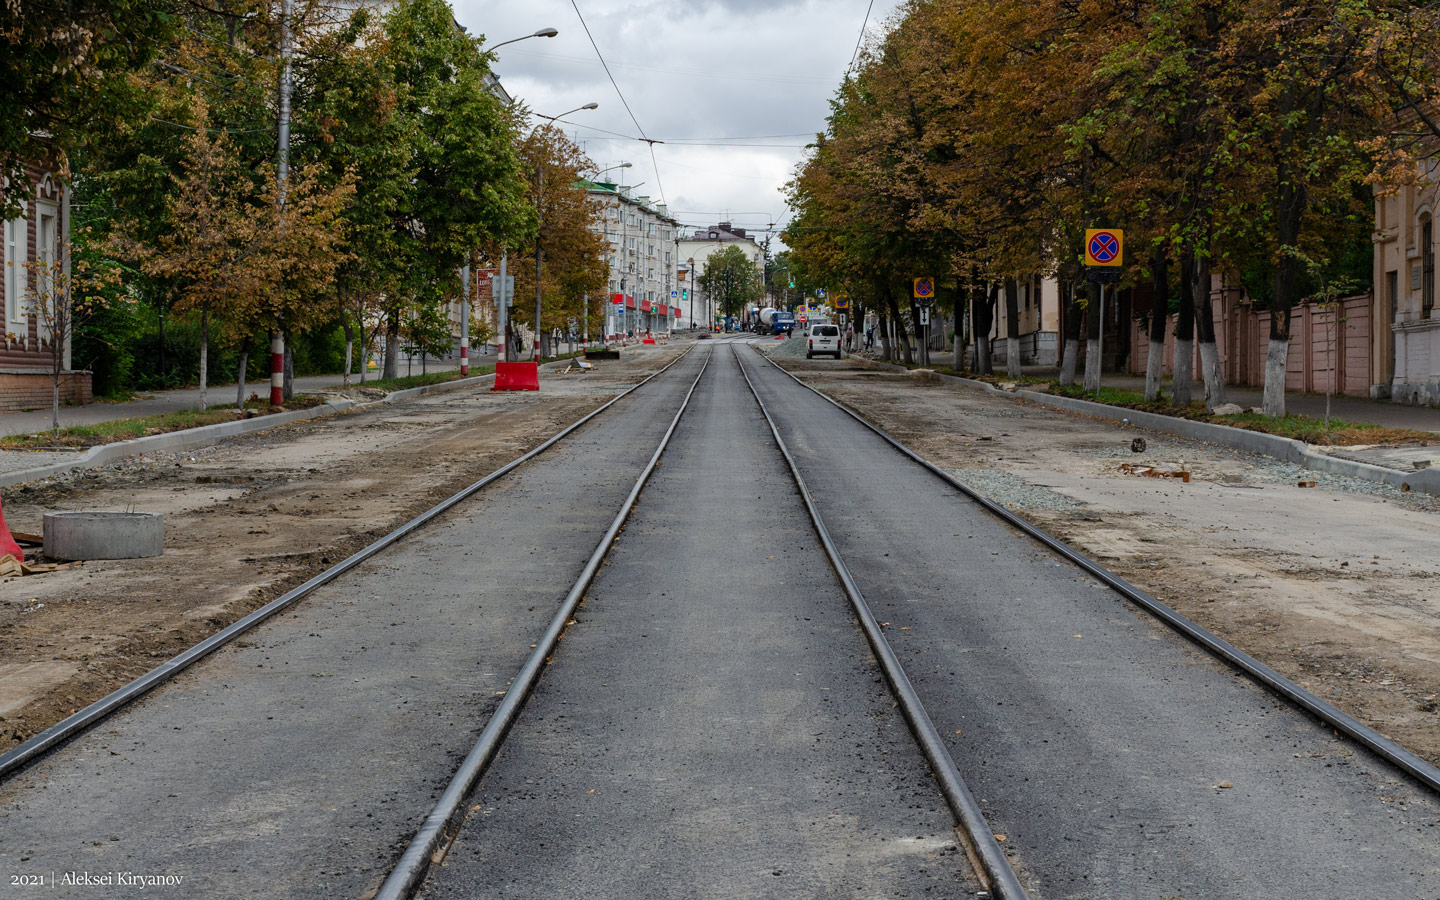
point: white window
(16, 251)
(47, 232)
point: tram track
(1327, 714)
(37, 746)
(985, 851)
(440, 827)
(740, 631)
(1118, 761)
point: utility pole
(282, 177)
(539, 225)
(465, 321)
(502, 311)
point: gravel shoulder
(248, 519)
(1335, 586)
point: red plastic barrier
(517, 376)
(648, 340)
(8, 547)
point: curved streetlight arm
(567, 112)
(544, 32)
(616, 166)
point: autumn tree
(573, 259)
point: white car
(823, 339)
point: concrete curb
(1286, 449)
(206, 435)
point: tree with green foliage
(65, 68)
(460, 184)
(730, 277)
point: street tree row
(980, 138)
(403, 166)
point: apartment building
(644, 283)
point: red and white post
(464, 356)
(277, 368)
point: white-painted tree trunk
(349, 355)
(1092, 364)
(957, 360)
(1012, 358)
(1213, 375)
(1276, 356)
(204, 355)
(240, 382)
(1068, 361)
(1154, 369)
(1184, 372)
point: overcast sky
(755, 73)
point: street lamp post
(539, 252)
(501, 313)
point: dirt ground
(249, 519)
(1336, 586)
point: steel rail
(443, 823)
(28, 751)
(1378, 744)
(994, 867)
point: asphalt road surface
(713, 724)
(1118, 761)
(300, 760)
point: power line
(866, 22)
(621, 94)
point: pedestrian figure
(849, 337)
(870, 338)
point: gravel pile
(1013, 492)
(1261, 470)
(793, 346)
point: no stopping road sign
(1104, 246)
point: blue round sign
(1104, 247)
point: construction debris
(1155, 472)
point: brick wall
(35, 391)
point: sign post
(924, 298)
(1104, 257)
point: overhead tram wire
(623, 102)
(856, 55)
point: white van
(823, 339)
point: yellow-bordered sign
(841, 301)
(925, 288)
(1104, 247)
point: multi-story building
(697, 248)
(644, 290)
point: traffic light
(792, 282)
(684, 293)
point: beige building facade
(1405, 351)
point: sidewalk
(159, 402)
(1350, 409)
